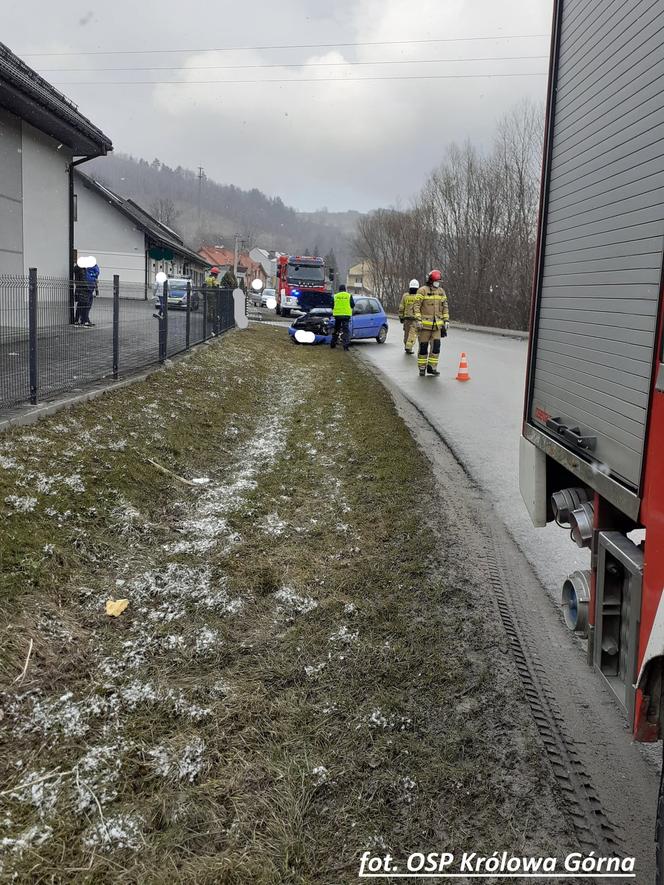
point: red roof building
(247, 270)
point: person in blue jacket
(85, 290)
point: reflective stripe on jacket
(343, 305)
(407, 306)
(431, 307)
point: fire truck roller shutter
(603, 238)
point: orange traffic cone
(462, 374)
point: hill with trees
(204, 211)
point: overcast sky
(344, 145)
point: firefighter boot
(432, 366)
(422, 357)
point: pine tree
(228, 280)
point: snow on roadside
(123, 676)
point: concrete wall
(103, 231)
(11, 195)
(45, 180)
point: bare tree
(165, 211)
(476, 219)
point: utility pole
(236, 254)
(200, 192)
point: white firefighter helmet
(414, 284)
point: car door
(375, 318)
(361, 319)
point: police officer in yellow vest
(433, 319)
(407, 315)
(342, 312)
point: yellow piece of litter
(115, 607)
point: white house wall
(11, 195)
(105, 232)
(45, 186)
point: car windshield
(306, 273)
(177, 286)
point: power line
(288, 46)
(325, 64)
(293, 80)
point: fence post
(163, 323)
(217, 308)
(205, 310)
(188, 326)
(32, 333)
(116, 324)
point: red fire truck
(302, 284)
(592, 449)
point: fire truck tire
(659, 834)
(285, 312)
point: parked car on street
(266, 295)
(369, 320)
(259, 299)
(177, 294)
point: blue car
(369, 320)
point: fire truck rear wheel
(659, 834)
(278, 310)
(285, 312)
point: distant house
(248, 270)
(126, 240)
(359, 280)
(43, 136)
(268, 261)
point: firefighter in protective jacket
(407, 315)
(433, 319)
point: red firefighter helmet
(214, 271)
(435, 276)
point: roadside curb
(484, 330)
(42, 410)
(491, 330)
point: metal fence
(44, 350)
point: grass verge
(308, 666)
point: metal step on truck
(592, 446)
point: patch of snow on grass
(97, 774)
(121, 831)
(320, 775)
(206, 641)
(300, 604)
(20, 504)
(7, 463)
(33, 837)
(273, 525)
(408, 788)
(344, 635)
(378, 720)
(40, 790)
(183, 766)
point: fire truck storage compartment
(602, 233)
(619, 582)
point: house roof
(30, 97)
(222, 257)
(157, 233)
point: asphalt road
(481, 422)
